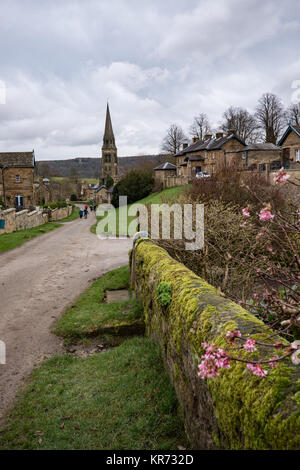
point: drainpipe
(2, 171)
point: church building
(109, 152)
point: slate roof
(291, 128)
(210, 144)
(261, 146)
(17, 159)
(166, 166)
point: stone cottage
(290, 146)
(210, 155)
(17, 170)
(262, 156)
(161, 172)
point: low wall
(23, 220)
(236, 410)
(173, 181)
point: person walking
(80, 213)
(85, 212)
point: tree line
(264, 125)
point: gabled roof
(17, 159)
(100, 187)
(166, 166)
(291, 128)
(209, 144)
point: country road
(38, 281)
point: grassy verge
(170, 195)
(120, 399)
(8, 241)
(90, 315)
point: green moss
(251, 412)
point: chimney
(195, 139)
(184, 145)
(208, 136)
(219, 135)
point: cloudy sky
(156, 61)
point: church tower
(109, 152)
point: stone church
(109, 152)
(102, 191)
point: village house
(262, 156)
(163, 171)
(210, 155)
(290, 146)
(17, 171)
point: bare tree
(271, 116)
(173, 140)
(242, 122)
(293, 114)
(200, 126)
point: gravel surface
(38, 281)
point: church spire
(108, 138)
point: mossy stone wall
(236, 410)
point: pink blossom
(214, 359)
(256, 369)
(270, 249)
(265, 214)
(281, 176)
(249, 345)
(255, 296)
(246, 212)
(231, 335)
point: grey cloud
(157, 62)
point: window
(18, 179)
(19, 200)
(213, 155)
(297, 155)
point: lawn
(8, 241)
(119, 399)
(91, 315)
(167, 195)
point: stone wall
(236, 410)
(25, 219)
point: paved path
(38, 281)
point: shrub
(55, 205)
(136, 185)
(231, 185)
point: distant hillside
(90, 167)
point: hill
(88, 167)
